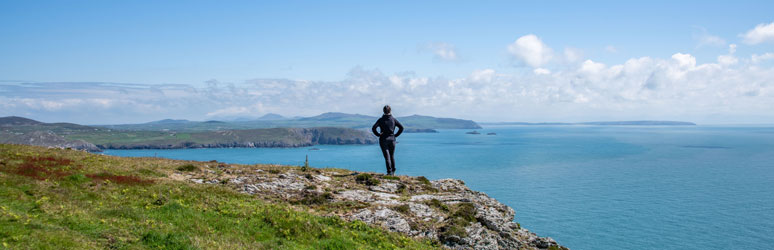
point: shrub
(466, 212)
(401, 187)
(315, 198)
(424, 180)
(187, 168)
(438, 204)
(404, 209)
(454, 230)
(366, 179)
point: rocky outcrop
(444, 210)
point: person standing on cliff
(387, 136)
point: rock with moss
(445, 211)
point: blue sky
(360, 48)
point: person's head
(387, 110)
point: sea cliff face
(444, 210)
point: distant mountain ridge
(329, 119)
(271, 116)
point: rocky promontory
(443, 210)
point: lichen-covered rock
(445, 210)
(385, 218)
(385, 187)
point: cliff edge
(444, 210)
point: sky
(106, 62)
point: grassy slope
(52, 198)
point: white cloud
(589, 66)
(730, 58)
(237, 111)
(706, 39)
(684, 60)
(711, 40)
(541, 71)
(531, 50)
(444, 51)
(482, 75)
(761, 33)
(760, 58)
(572, 55)
(611, 49)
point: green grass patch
(390, 177)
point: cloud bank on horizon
(537, 81)
(559, 86)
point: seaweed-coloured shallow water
(588, 187)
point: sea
(587, 187)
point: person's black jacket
(387, 124)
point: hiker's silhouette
(387, 135)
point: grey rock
(385, 187)
(385, 218)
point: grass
(390, 177)
(69, 199)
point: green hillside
(66, 199)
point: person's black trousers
(388, 150)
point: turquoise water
(588, 187)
